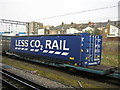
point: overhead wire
(108, 18)
(79, 12)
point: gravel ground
(61, 73)
(36, 78)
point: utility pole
(28, 28)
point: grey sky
(34, 10)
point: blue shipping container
(83, 49)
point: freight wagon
(77, 51)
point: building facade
(33, 27)
(113, 31)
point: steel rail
(21, 81)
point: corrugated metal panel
(91, 46)
(61, 47)
(83, 49)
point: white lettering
(48, 43)
(26, 43)
(55, 45)
(64, 44)
(37, 43)
(60, 44)
(31, 43)
(22, 43)
(16, 44)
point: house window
(61, 32)
(113, 30)
(105, 30)
(58, 32)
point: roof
(88, 28)
(104, 24)
(67, 26)
(84, 25)
(101, 24)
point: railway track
(85, 75)
(15, 82)
(100, 78)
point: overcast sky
(35, 10)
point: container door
(97, 49)
(91, 49)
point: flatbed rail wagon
(77, 51)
